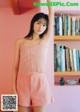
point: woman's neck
(35, 37)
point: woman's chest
(39, 49)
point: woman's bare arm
(51, 21)
(16, 64)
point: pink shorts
(33, 90)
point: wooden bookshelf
(66, 38)
(67, 73)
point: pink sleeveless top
(33, 58)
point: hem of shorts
(24, 105)
(33, 105)
(44, 104)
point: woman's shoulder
(19, 40)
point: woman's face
(40, 26)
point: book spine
(55, 57)
(79, 26)
(62, 16)
(57, 25)
(75, 60)
(79, 60)
(73, 26)
(62, 58)
(60, 26)
(71, 60)
(69, 25)
(76, 27)
(58, 58)
(67, 59)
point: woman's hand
(14, 91)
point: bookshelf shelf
(66, 38)
(71, 73)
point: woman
(29, 77)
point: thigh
(24, 109)
(38, 109)
(41, 94)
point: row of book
(66, 59)
(67, 25)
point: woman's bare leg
(24, 109)
(38, 109)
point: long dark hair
(34, 19)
